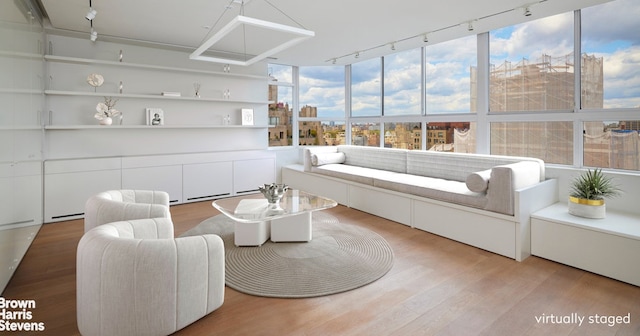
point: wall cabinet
(248, 175)
(165, 178)
(207, 180)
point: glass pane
(322, 92)
(451, 76)
(611, 66)
(612, 144)
(403, 135)
(281, 73)
(402, 83)
(532, 66)
(451, 137)
(366, 88)
(280, 114)
(551, 141)
(321, 133)
(365, 134)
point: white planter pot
(106, 121)
(587, 208)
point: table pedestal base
(251, 234)
(295, 228)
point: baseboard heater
(246, 191)
(209, 196)
(66, 216)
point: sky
(609, 31)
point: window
(532, 66)
(280, 111)
(322, 92)
(405, 135)
(610, 62)
(365, 134)
(450, 69)
(550, 141)
(366, 88)
(321, 133)
(403, 83)
(612, 144)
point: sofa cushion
(352, 173)
(479, 181)
(434, 188)
(319, 159)
(390, 159)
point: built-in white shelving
(128, 127)
(75, 60)
(149, 96)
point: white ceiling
(341, 27)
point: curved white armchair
(118, 205)
(135, 278)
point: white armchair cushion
(320, 159)
(118, 205)
(479, 181)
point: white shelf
(112, 127)
(615, 223)
(20, 128)
(149, 96)
(17, 54)
(75, 60)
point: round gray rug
(340, 257)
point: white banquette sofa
(481, 200)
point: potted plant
(588, 192)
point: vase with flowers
(106, 112)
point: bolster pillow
(320, 159)
(479, 181)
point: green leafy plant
(594, 185)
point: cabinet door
(164, 178)
(66, 193)
(207, 180)
(248, 175)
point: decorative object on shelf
(226, 68)
(273, 192)
(247, 116)
(120, 56)
(226, 94)
(588, 192)
(106, 112)
(196, 87)
(95, 80)
(226, 120)
(120, 87)
(155, 116)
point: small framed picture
(155, 116)
(247, 116)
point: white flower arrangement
(106, 110)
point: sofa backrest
(391, 159)
(457, 166)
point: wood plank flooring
(436, 287)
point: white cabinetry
(207, 180)
(609, 246)
(186, 177)
(248, 175)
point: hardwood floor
(436, 287)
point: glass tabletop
(256, 208)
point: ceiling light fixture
(91, 14)
(94, 35)
(393, 46)
(470, 26)
(425, 38)
(527, 11)
(357, 54)
(296, 34)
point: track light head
(425, 38)
(91, 14)
(333, 61)
(470, 26)
(527, 11)
(358, 54)
(393, 46)
(94, 35)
